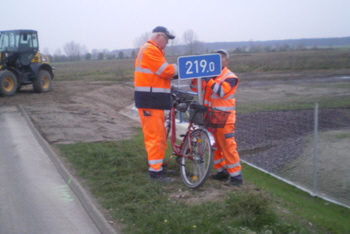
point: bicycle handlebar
(182, 95)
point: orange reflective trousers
(226, 155)
(152, 122)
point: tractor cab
(19, 46)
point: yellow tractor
(21, 63)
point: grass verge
(116, 174)
(304, 103)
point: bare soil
(78, 111)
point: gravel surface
(271, 140)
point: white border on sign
(198, 56)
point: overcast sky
(116, 24)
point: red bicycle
(194, 152)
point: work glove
(176, 77)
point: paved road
(34, 197)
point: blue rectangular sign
(199, 66)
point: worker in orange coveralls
(152, 96)
(219, 92)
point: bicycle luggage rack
(206, 116)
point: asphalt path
(38, 195)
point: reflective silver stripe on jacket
(152, 89)
(162, 68)
(143, 70)
(222, 108)
(214, 96)
(225, 108)
(218, 89)
(140, 57)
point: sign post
(199, 66)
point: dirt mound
(78, 111)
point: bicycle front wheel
(196, 166)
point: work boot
(235, 181)
(159, 177)
(221, 176)
(168, 172)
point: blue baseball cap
(164, 30)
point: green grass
(291, 60)
(116, 173)
(96, 70)
(331, 217)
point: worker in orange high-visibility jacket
(219, 92)
(152, 96)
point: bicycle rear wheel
(196, 167)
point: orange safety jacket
(152, 78)
(219, 93)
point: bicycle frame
(176, 147)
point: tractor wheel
(43, 82)
(8, 83)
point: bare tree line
(189, 39)
(73, 51)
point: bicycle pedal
(178, 160)
(182, 135)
